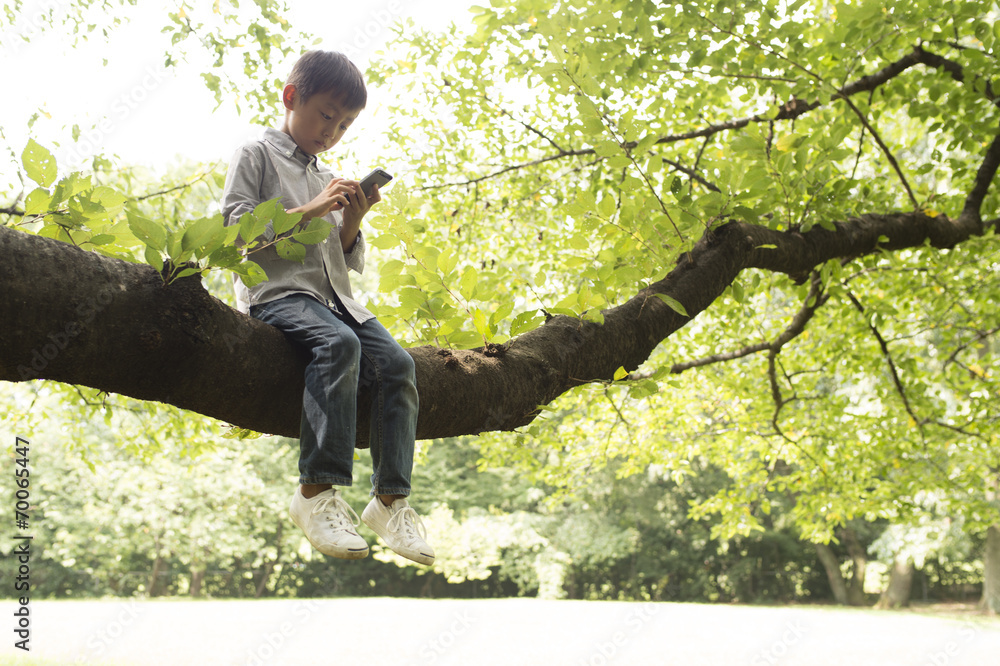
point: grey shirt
(271, 167)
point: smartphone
(377, 177)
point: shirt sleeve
(242, 190)
(355, 259)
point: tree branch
(816, 298)
(940, 62)
(83, 318)
(182, 186)
(692, 174)
(888, 358)
(885, 150)
(678, 368)
(984, 177)
(527, 126)
(788, 111)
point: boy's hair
(324, 71)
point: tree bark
(990, 602)
(897, 591)
(82, 318)
(153, 589)
(832, 566)
(991, 564)
(859, 557)
(197, 576)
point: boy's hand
(339, 194)
(357, 204)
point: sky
(147, 114)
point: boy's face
(319, 123)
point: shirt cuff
(355, 259)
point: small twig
(692, 174)
(885, 149)
(521, 122)
(816, 298)
(888, 357)
(861, 140)
(980, 335)
(182, 186)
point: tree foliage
(660, 236)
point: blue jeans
(344, 355)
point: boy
(312, 304)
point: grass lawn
(512, 632)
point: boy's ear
(288, 97)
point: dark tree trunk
(859, 558)
(991, 579)
(83, 318)
(153, 588)
(897, 592)
(832, 566)
(197, 577)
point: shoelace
(338, 512)
(411, 524)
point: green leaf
(151, 233)
(186, 272)
(788, 142)
(384, 241)
(501, 313)
(250, 273)
(607, 207)
(37, 201)
(673, 303)
(201, 231)
(411, 299)
(39, 163)
(110, 199)
(153, 258)
(283, 220)
(467, 283)
(226, 256)
(479, 321)
(447, 261)
(317, 231)
(252, 225)
(620, 374)
(102, 239)
(391, 267)
(747, 214)
(737, 291)
(290, 250)
(524, 322)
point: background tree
(814, 181)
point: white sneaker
(327, 521)
(400, 527)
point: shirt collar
(286, 145)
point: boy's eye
(325, 117)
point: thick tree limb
(82, 318)
(984, 177)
